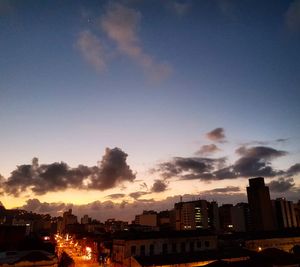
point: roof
(162, 234)
(199, 256)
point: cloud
(40, 179)
(281, 185)
(253, 161)
(113, 170)
(293, 170)
(292, 16)
(6, 7)
(191, 168)
(115, 196)
(91, 49)
(261, 152)
(138, 194)
(121, 24)
(179, 8)
(144, 186)
(126, 210)
(216, 135)
(207, 150)
(228, 189)
(281, 140)
(159, 186)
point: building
(283, 243)
(297, 212)
(247, 216)
(68, 219)
(191, 215)
(260, 205)
(213, 216)
(284, 213)
(147, 218)
(86, 219)
(232, 218)
(153, 244)
(112, 225)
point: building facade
(260, 205)
(157, 243)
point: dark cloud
(216, 135)
(292, 16)
(293, 170)
(281, 140)
(281, 185)
(261, 152)
(191, 168)
(138, 194)
(159, 186)
(228, 189)
(206, 150)
(113, 170)
(253, 161)
(115, 196)
(40, 179)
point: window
(198, 244)
(192, 246)
(165, 248)
(174, 248)
(206, 243)
(142, 250)
(182, 246)
(133, 250)
(151, 250)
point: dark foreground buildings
(260, 205)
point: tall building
(247, 216)
(68, 218)
(297, 212)
(191, 215)
(284, 213)
(213, 216)
(260, 205)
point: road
(80, 261)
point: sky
(113, 107)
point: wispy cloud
(91, 49)
(179, 8)
(206, 150)
(292, 16)
(121, 24)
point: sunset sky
(112, 107)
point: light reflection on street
(81, 256)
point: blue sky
(150, 77)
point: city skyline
(119, 105)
